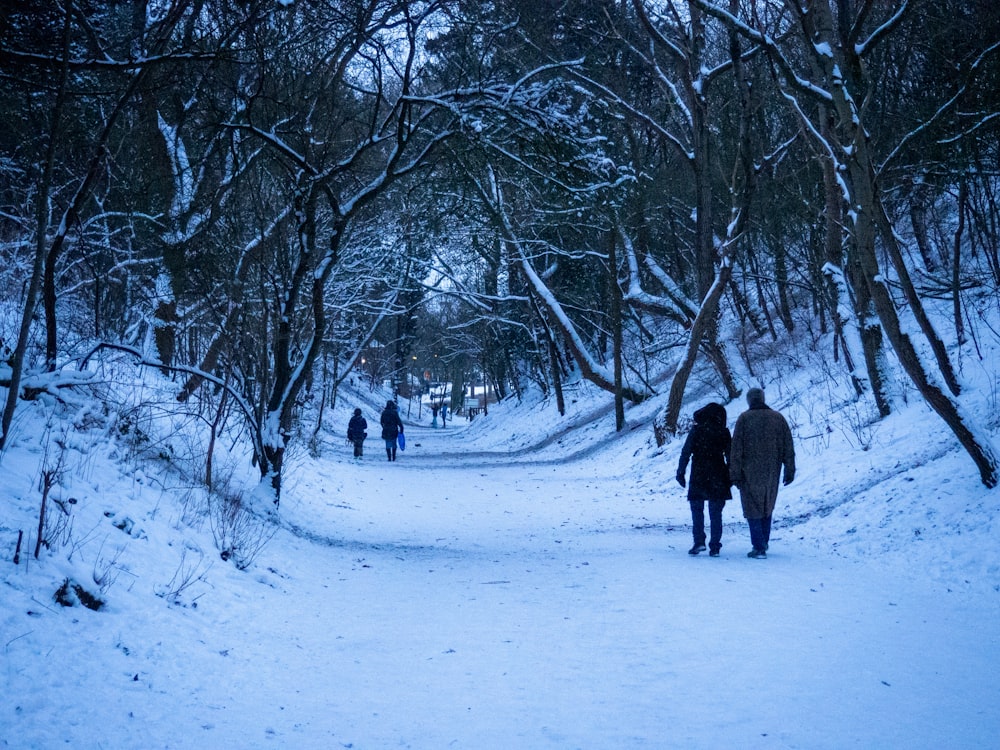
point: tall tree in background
(679, 56)
(81, 58)
(225, 187)
(358, 124)
(835, 42)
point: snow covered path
(478, 604)
(549, 605)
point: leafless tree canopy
(266, 197)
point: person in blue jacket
(707, 447)
(392, 427)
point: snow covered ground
(491, 589)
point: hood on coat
(755, 398)
(711, 412)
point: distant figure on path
(707, 447)
(356, 433)
(392, 426)
(762, 445)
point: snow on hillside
(517, 581)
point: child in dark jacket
(356, 433)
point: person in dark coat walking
(707, 447)
(356, 433)
(392, 426)
(762, 446)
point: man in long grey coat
(762, 445)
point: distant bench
(472, 411)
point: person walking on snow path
(392, 428)
(707, 447)
(762, 445)
(356, 433)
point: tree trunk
(557, 377)
(918, 219)
(42, 216)
(615, 296)
(946, 407)
(704, 319)
(869, 213)
(212, 435)
(589, 369)
(717, 356)
(956, 266)
(891, 242)
(838, 297)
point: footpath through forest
(482, 599)
(491, 602)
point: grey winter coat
(762, 445)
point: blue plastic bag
(401, 441)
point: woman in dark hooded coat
(707, 447)
(392, 426)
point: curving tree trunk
(702, 322)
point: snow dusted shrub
(55, 524)
(132, 436)
(107, 568)
(239, 534)
(52, 527)
(187, 574)
(71, 594)
(149, 427)
(192, 509)
(57, 529)
(861, 424)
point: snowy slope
(517, 581)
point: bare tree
(364, 125)
(835, 46)
(674, 50)
(51, 241)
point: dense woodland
(263, 198)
